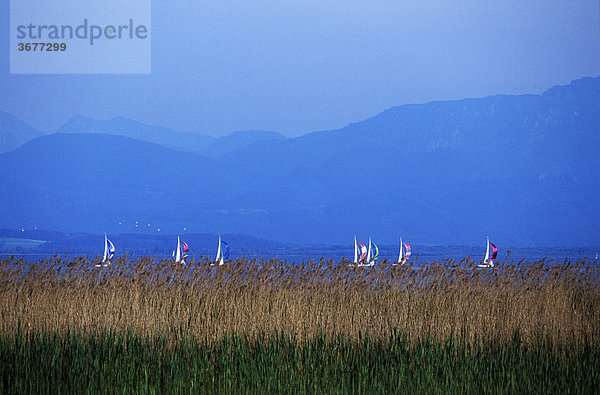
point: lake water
(390, 253)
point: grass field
(318, 327)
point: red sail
(363, 251)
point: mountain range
(186, 142)
(523, 170)
(14, 132)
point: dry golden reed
(557, 302)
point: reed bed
(557, 302)
(113, 363)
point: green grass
(51, 363)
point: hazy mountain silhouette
(188, 142)
(237, 140)
(521, 169)
(14, 132)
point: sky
(300, 66)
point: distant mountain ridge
(188, 142)
(521, 169)
(14, 132)
(237, 140)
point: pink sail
(494, 252)
(407, 250)
(186, 249)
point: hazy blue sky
(298, 66)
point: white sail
(487, 252)
(486, 261)
(400, 255)
(109, 252)
(178, 253)
(111, 249)
(355, 251)
(105, 256)
(219, 259)
(368, 261)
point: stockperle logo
(86, 37)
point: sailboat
(370, 261)
(489, 261)
(358, 246)
(222, 253)
(182, 253)
(405, 252)
(109, 252)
